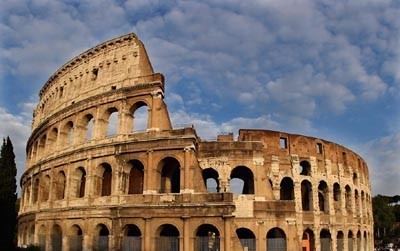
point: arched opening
(42, 237)
(79, 183)
(140, 117)
(358, 241)
(28, 192)
(104, 175)
(348, 198)
(247, 239)
(325, 239)
(337, 197)
(35, 192)
(67, 134)
(75, 238)
(308, 240)
(56, 238)
(112, 119)
(306, 196)
(136, 176)
(32, 235)
(170, 175)
(355, 179)
(242, 180)
(167, 238)
(350, 241)
(59, 184)
(132, 240)
(305, 168)
(45, 188)
(89, 125)
(340, 242)
(365, 241)
(357, 201)
(211, 180)
(287, 189)
(100, 240)
(323, 198)
(42, 146)
(276, 240)
(207, 238)
(52, 139)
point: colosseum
(94, 180)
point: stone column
(227, 228)
(148, 186)
(187, 160)
(157, 97)
(186, 232)
(147, 237)
(125, 121)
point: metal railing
(325, 244)
(100, 243)
(75, 243)
(132, 243)
(42, 242)
(276, 244)
(56, 242)
(248, 244)
(205, 243)
(167, 243)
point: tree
(8, 195)
(384, 217)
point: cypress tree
(8, 195)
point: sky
(329, 69)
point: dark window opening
(319, 148)
(283, 143)
(211, 181)
(136, 176)
(242, 180)
(170, 176)
(287, 189)
(306, 195)
(305, 168)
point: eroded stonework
(93, 181)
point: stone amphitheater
(94, 181)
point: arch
(101, 238)
(325, 239)
(42, 145)
(305, 168)
(170, 175)
(211, 180)
(355, 178)
(88, 126)
(340, 241)
(350, 241)
(358, 240)
(56, 237)
(104, 178)
(207, 238)
(32, 234)
(357, 201)
(75, 238)
(337, 197)
(167, 238)
(136, 177)
(348, 198)
(365, 241)
(112, 121)
(243, 175)
(323, 198)
(79, 183)
(247, 239)
(45, 188)
(67, 134)
(308, 240)
(132, 240)
(59, 186)
(306, 196)
(276, 240)
(287, 189)
(35, 192)
(28, 191)
(140, 116)
(52, 138)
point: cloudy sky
(329, 69)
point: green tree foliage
(384, 217)
(8, 195)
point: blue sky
(329, 69)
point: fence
(276, 244)
(56, 242)
(132, 243)
(75, 243)
(350, 244)
(42, 242)
(248, 244)
(325, 244)
(205, 243)
(167, 243)
(100, 243)
(340, 245)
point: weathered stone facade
(90, 186)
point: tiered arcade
(96, 181)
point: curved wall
(95, 182)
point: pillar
(186, 232)
(147, 238)
(227, 227)
(148, 186)
(187, 160)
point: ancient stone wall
(94, 181)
